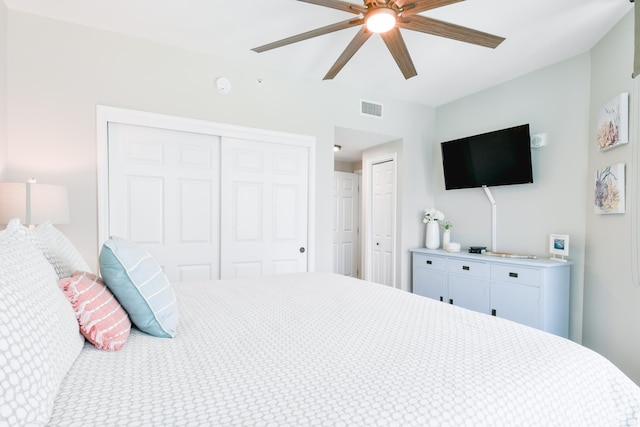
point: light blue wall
(612, 295)
(555, 101)
(563, 101)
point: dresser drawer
(515, 274)
(468, 268)
(430, 262)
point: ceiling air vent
(368, 108)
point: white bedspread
(321, 349)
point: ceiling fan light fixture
(387, 17)
(381, 20)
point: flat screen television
(501, 157)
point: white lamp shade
(33, 203)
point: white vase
(446, 238)
(432, 239)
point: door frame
(107, 114)
(367, 209)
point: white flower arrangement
(432, 215)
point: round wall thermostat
(223, 84)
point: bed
(314, 349)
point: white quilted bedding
(321, 349)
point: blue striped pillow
(141, 287)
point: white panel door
(264, 196)
(346, 223)
(164, 192)
(383, 223)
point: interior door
(164, 194)
(346, 223)
(383, 222)
(264, 195)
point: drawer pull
(441, 299)
(493, 312)
(513, 275)
(429, 262)
(451, 301)
(466, 267)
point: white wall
(58, 72)
(554, 100)
(3, 90)
(611, 298)
(342, 166)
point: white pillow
(58, 249)
(62, 248)
(39, 334)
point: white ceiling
(538, 33)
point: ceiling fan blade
(450, 31)
(413, 7)
(357, 42)
(340, 5)
(310, 34)
(394, 41)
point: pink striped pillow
(102, 319)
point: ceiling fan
(386, 18)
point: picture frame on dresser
(559, 246)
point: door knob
(301, 250)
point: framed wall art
(609, 190)
(613, 123)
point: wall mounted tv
(501, 157)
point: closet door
(383, 222)
(164, 193)
(264, 197)
(346, 223)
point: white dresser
(534, 292)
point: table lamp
(33, 203)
